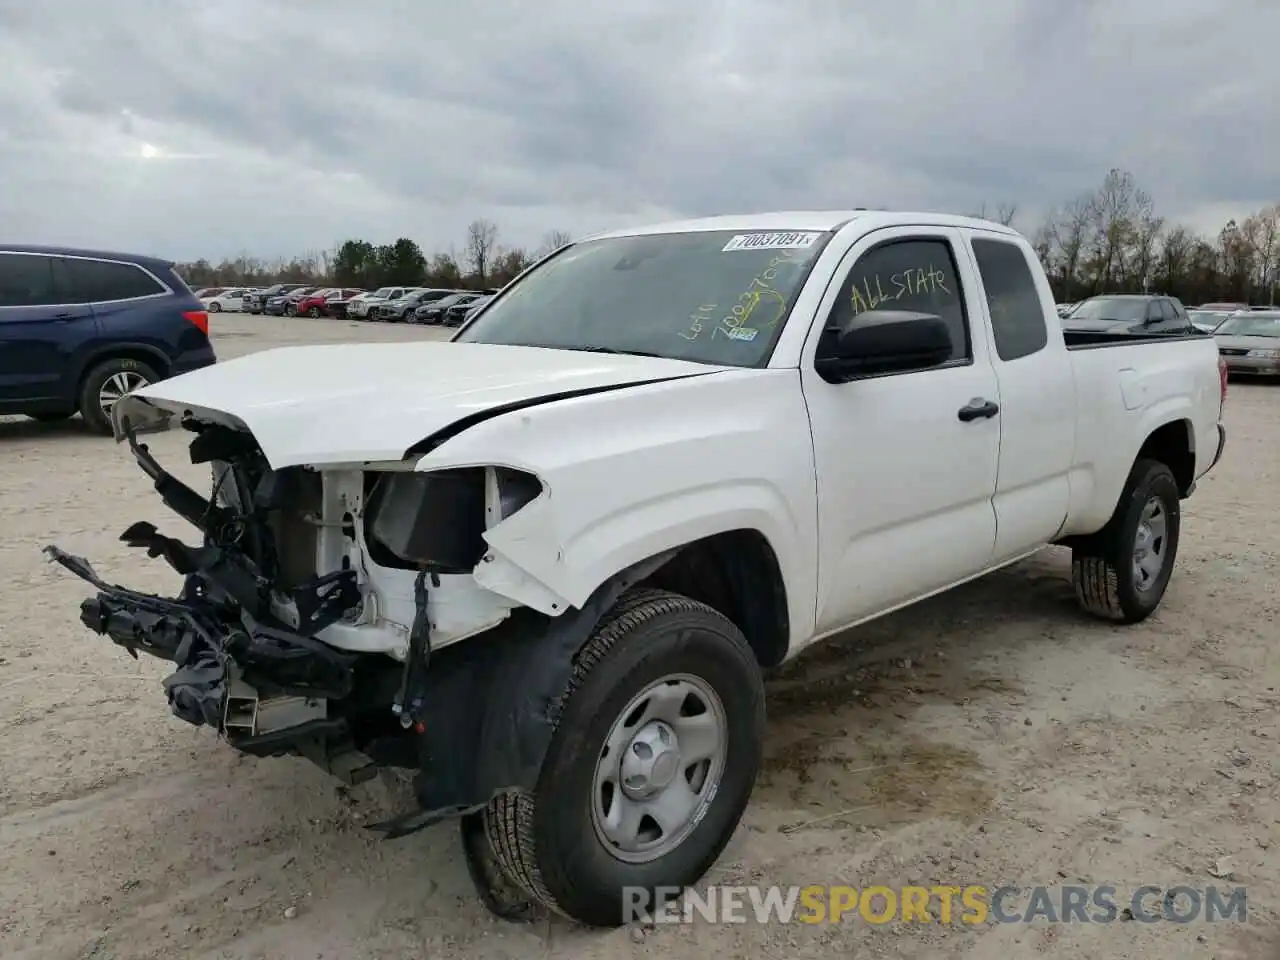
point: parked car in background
(208, 292)
(257, 302)
(1249, 342)
(434, 311)
(336, 305)
(398, 311)
(79, 329)
(456, 315)
(293, 301)
(231, 300)
(1139, 313)
(1223, 307)
(282, 305)
(361, 308)
(1064, 309)
(1207, 321)
(433, 299)
(314, 303)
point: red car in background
(313, 304)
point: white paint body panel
(871, 493)
(339, 404)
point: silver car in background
(360, 308)
(1249, 342)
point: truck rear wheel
(657, 743)
(1121, 574)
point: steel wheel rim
(1150, 544)
(659, 768)
(117, 386)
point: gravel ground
(992, 736)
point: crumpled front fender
(489, 706)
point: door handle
(978, 409)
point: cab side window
(1017, 316)
(918, 276)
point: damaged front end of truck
(321, 613)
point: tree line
(1107, 240)
(482, 263)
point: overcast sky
(194, 128)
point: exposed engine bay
(321, 615)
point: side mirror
(882, 341)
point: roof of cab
(138, 258)
(819, 220)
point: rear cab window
(1018, 320)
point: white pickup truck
(546, 564)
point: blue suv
(81, 328)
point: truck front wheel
(1122, 572)
(657, 743)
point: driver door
(905, 485)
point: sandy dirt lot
(991, 736)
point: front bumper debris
(213, 642)
(234, 657)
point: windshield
(1251, 325)
(710, 297)
(1109, 310)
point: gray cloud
(287, 125)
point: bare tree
(554, 240)
(1175, 257)
(1069, 232)
(1266, 238)
(482, 239)
(1115, 208)
(1004, 213)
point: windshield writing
(711, 297)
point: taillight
(200, 318)
(1222, 379)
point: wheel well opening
(153, 360)
(1172, 446)
(737, 574)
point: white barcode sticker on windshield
(771, 241)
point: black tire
(1102, 568)
(291, 310)
(314, 313)
(91, 409)
(215, 307)
(52, 416)
(548, 842)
